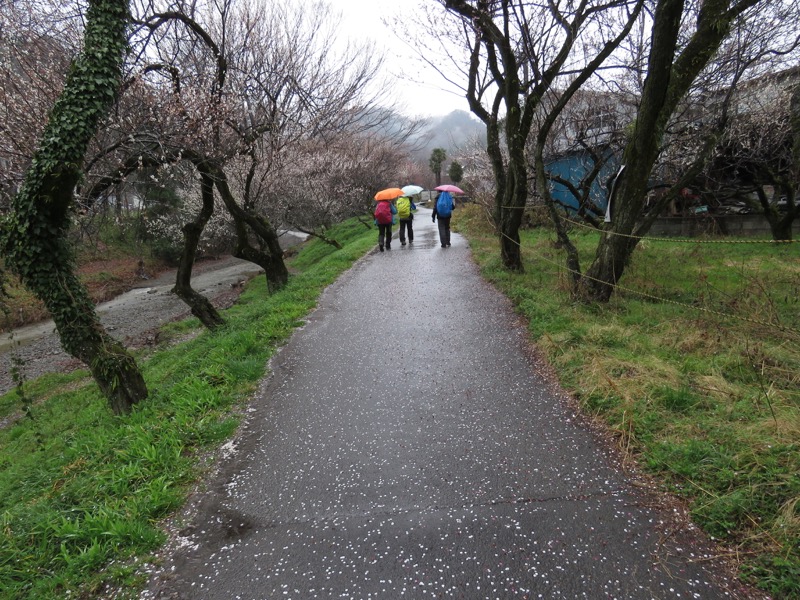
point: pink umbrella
(449, 188)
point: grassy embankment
(82, 491)
(710, 404)
(107, 269)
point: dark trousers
(444, 230)
(406, 224)
(385, 233)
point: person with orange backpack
(384, 219)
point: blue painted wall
(573, 167)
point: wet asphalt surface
(406, 446)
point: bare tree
(518, 54)
(239, 91)
(37, 42)
(683, 43)
(756, 157)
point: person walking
(443, 210)
(406, 218)
(385, 213)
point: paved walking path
(406, 447)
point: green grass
(709, 404)
(699, 379)
(82, 492)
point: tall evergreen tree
(455, 172)
(438, 156)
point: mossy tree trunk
(269, 254)
(504, 51)
(200, 306)
(669, 76)
(34, 233)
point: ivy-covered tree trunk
(641, 152)
(34, 233)
(513, 207)
(200, 306)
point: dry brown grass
(104, 280)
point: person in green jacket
(406, 218)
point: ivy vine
(33, 234)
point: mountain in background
(449, 132)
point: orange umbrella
(389, 194)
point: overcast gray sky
(362, 18)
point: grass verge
(696, 378)
(82, 492)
